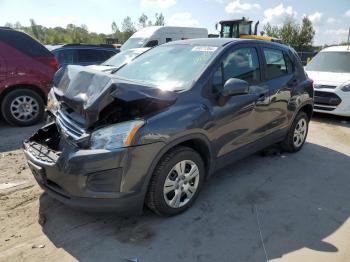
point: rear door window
(276, 65)
(24, 43)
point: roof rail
(90, 45)
(6, 27)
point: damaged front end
(82, 156)
(86, 100)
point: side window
(242, 63)
(168, 40)
(152, 43)
(276, 65)
(65, 56)
(108, 54)
(90, 55)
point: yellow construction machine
(242, 28)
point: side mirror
(234, 87)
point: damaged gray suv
(155, 130)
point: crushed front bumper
(93, 180)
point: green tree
(160, 20)
(306, 35)
(128, 29)
(143, 19)
(300, 37)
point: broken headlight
(52, 102)
(116, 136)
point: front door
(235, 121)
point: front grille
(326, 98)
(324, 86)
(69, 127)
(42, 152)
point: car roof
(340, 48)
(86, 46)
(221, 42)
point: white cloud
(316, 18)
(237, 7)
(278, 14)
(158, 3)
(347, 13)
(182, 19)
(340, 31)
(331, 20)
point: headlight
(116, 136)
(345, 87)
(52, 103)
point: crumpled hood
(87, 91)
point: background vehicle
(26, 72)
(83, 54)
(242, 28)
(119, 60)
(156, 35)
(330, 70)
(154, 131)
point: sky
(331, 18)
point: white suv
(330, 70)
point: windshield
(169, 67)
(134, 42)
(122, 58)
(338, 62)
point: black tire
(11, 96)
(288, 144)
(155, 198)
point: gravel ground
(281, 207)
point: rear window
(93, 55)
(24, 43)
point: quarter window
(276, 65)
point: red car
(26, 73)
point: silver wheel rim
(300, 133)
(24, 108)
(181, 184)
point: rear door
(280, 79)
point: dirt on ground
(280, 207)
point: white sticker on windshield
(204, 48)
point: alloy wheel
(24, 108)
(300, 133)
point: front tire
(22, 107)
(176, 182)
(297, 134)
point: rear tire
(22, 107)
(176, 182)
(297, 134)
